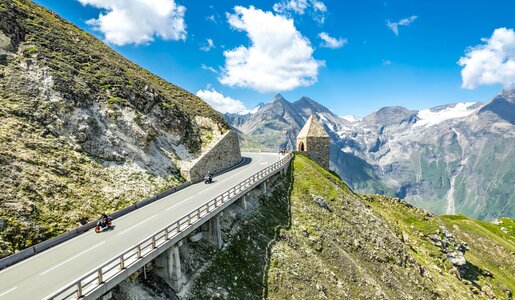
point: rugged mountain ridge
(83, 129)
(455, 158)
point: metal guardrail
(262, 150)
(45, 245)
(94, 279)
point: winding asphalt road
(39, 276)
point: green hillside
(83, 130)
(313, 238)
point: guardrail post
(79, 289)
(122, 262)
(153, 242)
(138, 251)
(100, 276)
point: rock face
(456, 158)
(83, 129)
(224, 153)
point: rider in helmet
(104, 218)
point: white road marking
(137, 224)
(73, 257)
(178, 203)
(239, 172)
(7, 292)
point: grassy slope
(340, 252)
(83, 65)
(368, 247)
(491, 250)
(46, 186)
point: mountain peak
(310, 106)
(278, 97)
(508, 94)
(391, 115)
(502, 105)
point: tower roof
(313, 128)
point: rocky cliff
(83, 130)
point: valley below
(457, 158)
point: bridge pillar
(243, 202)
(214, 233)
(263, 186)
(168, 267)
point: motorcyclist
(208, 177)
(104, 219)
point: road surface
(39, 276)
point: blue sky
(368, 66)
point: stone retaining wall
(224, 154)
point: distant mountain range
(457, 158)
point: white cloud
(297, 6)
(212, 18)
(394, 26)
(221, 103)
(319, 11)
(278, 59)
(490, 63)
(318, 8)
(208, 68)
(331, 42)
(138, 21)
(208, 46)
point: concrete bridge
(91, 264)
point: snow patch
(350, 118)
(251, 111)
(430, 117)
(324, 119)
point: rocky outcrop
(454, 251)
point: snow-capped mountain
(252, 111)
(351, 118)
(436, 115)
(456, 158)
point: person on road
(104, 218)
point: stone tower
(313, 140)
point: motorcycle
(208, 179)
(101, 225)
